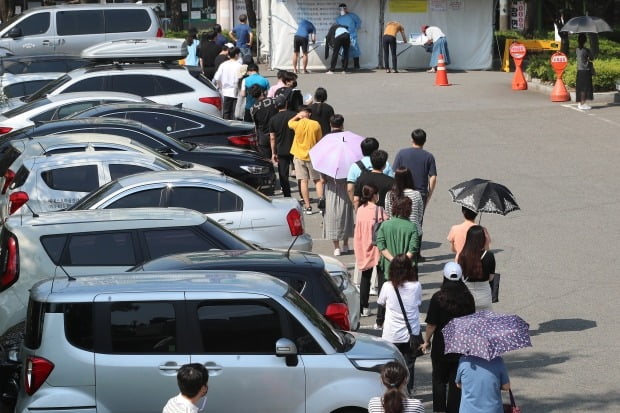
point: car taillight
(295, 224)
(11, 264)
(8, 180)
(217, 102)
(243, 140)
(160, 32)
(338, 314)
(38, 370)
(5, 129)
(16, 200)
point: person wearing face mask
(352, 23)
(192, 380)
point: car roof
(90, 95)
(91, 122)
(98, 219)
(152, 106)
(112, 155)
(235, 259)
(86, 288)
(184, 175)
(46, 141)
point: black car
(184, 124)
(305, 272)
(20, 65)
(242, 164)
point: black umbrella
(482, 195)
(586, 24)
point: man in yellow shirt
(389, 43)
(307, 134)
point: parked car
(59, 107)
(16, 86)
(52, 183)
(242, 164)
(41, 64)
(270, 223)
(95, 343)
(72, 243)
(307, 273)
(68, 29)
(184, 124)
(169, 84)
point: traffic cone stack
(441, 79)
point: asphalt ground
(557, 255)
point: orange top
(392, 28)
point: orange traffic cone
(559, 92)
(441, 79)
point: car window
(7, 158)
(20, 89)
(79, 327)
(167, 241)
(83, 178)
(163, 121)
(141, 85)
(118, 170)
(75, 22)
(205, 200)
(121, 21)
(45, 90)
(44, 116)
(226, 326)
(38, 23)
(47, 66)
(71, 108)
(143, 327)
(90, 84)
(53, 245)
(147, 198)
(170, 86)
(26, 108)
(113, 248)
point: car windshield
(91, 199)
(25, 108)
(43, 92)
(337, 339)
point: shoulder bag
(512, 407)
(376, 225)
(415, 341)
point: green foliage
(607, 73)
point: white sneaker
(329, 72)
(366, 312)
(377, 327)
(337, 252)
(585, 106)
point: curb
(602, 97)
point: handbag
(240, 107)
(512, 407)
(495, 288)
(415, 341)
(376, 225)
(591, 67)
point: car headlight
(255, 169)
(341, 278)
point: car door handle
(169, 367)
(225, 222)
(46, 43)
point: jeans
(380, 308)
(228, 108)
(343, 41)
(284, 163)
(389, 44)
(410, 360)
(444, 375)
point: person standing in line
(262, 111)
(457, 234)
(253, 78)
(220, 39)
(478, 266)
(403, 278)
(403, 186)
(452, 300)
(584, 89)
(285, 79)
(384, 182)
(191, 43)
(307, 134)
(366, 253)
(421, 164)
(226, 78)
(306, 32)
(208, 51)
(242, 36)
(437, 39)
(395, 399)
(338, 38)
(322, 112)
(192, 380)
(389, 44)
(481, 382)
(368, 146)
(353, 23)
(281, 139)
(221, 57)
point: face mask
(342, 12)
(202, 403)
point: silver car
(270, 223)
(96, 343)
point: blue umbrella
(486, 334)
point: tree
(249, 8)
(176, 17)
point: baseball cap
(452, 271)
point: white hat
(452, 271)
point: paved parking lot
(557, 255)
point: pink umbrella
(334, 154)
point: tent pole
(382, 4)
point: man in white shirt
(226, 79)
(437, 39)
(192, 380)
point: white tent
(468, 25)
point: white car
(58, 107)
(52, 183)
(270, 223)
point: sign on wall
(517, 14)
(408, 6)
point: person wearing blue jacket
(353, 23)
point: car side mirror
(14, 32)
(286, 348)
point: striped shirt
(411, 406)
(417, 206)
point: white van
(68, 29)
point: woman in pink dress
(366, 253)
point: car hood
(368, 347)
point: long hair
(402, 180)
(470, 258)
(393, 375)
(368, 191)
(320, 96)
(401, 270)
(454, 297)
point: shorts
(300, 43)
(304, 170)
